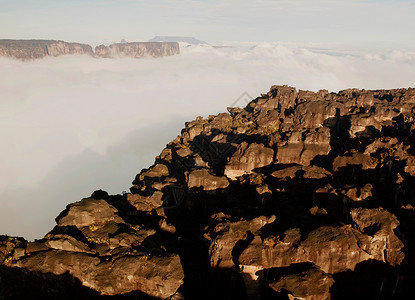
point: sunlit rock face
(247, 158)
(35, 49)
(138, 49)
(299, 195)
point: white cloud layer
(71, 125)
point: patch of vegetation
(11, 244)
(257, 179)
(270, 241)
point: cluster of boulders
(298, 195)
(94, 244)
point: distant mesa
(35, 49)
(137, 49)
(178, 39)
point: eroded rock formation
(299, 195)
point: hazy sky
(356, 22)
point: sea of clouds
(71, 125)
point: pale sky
(359, 23)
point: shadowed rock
(303, 281)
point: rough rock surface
(101, 245)
(299, 195)
(202, 178)
(138, 49)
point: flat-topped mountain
(180, 39)
(137, 49)
(35, 49)
(299, 195)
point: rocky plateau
(138, 49)
(299, 195)
(35, 49)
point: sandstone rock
(325, 247)
(33, 247)
(228, 234)
(18, 253)
(222, 122)
(410, 167)
(287, 173)
(299, 150)
(308, 172)
(67, 243)
(155, 276)
(304, 282)
(88, 212)
(356, 158)
(143, 203)
(247, 158)
(314, 172)
(158, 170)
(366, 192)
(130, 240)
(183, 152)
(202, 178)
(380, 224)
(166, 155)
(333, 249)
(196, 127)
(263, 189)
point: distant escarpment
(35, 49)
(180, 39)
(299, 195)
(137, 49)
